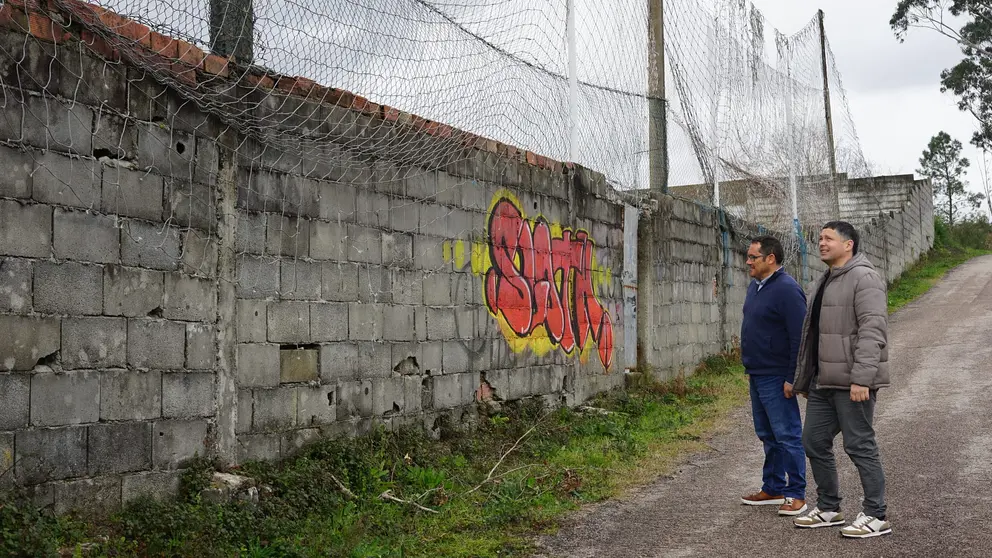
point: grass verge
(488, 491)
(931, 268)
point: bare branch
(348, 494)
(388, 496)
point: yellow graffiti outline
(538, 341)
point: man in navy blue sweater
(774, 310)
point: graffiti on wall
(540, 283)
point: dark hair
(847, 232)
(770, 245)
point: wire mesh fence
(750, 126)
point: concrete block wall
(108, 293)
(687, 322)
(172, 287)
(362, 292)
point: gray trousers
(829, 412)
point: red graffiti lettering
(536, 280)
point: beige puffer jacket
(853, 340)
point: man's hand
(859, 393)
(787, 389)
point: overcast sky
(893, 88)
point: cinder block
(15, 392)
(407, 287)
(429, 252)
(432, 356)
(131, 292)
(440, 323)
(275, 409)
(328, 322)
(27, 340)
(190, 204)
(295, 440)
(159, 486)
(372, 208)
(316, 405)
(25, 230)
(452, 390)
(364, 244)
(339, 282)
(437, 289)
(365, 321)
(289, 322)
(59, 180)
(199, 254)
(64, 399)
(98, 497)
(337, 361)
(329, 241)
(201, 347)
(421, 184)
(258, 277)
(251, 233)
(390, 396)
(252, 321)
(456, 357)
(374, 284)
(354, 399)
(300, 280)
(15, 285)
(86, 237)
(466, 289)
(189, 298)
(94, 343)
(16, 166)
(465, 318)
(130, 395)
(186, 395)
(113, 136)
(166, 151)
(119, 447)
(398, 324)
(374, 360)
(287, 236)
(337, 202)
(150, 246)
(246, 403)
(258, 447)
(397, 250)
(298, 365)
(51, 124)
(156, 344)
(176, 442)
(258, 365)
(68, 288)
(49, 454)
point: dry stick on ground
(388, 495)
(489, 477)
(344, 489)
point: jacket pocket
(849, 342)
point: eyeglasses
(751, 258)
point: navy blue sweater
(773, 326)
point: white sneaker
(817, 518)
(865, 526)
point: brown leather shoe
(792, 506)
(762, 498)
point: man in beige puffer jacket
(843, 360)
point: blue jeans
(778, 424)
